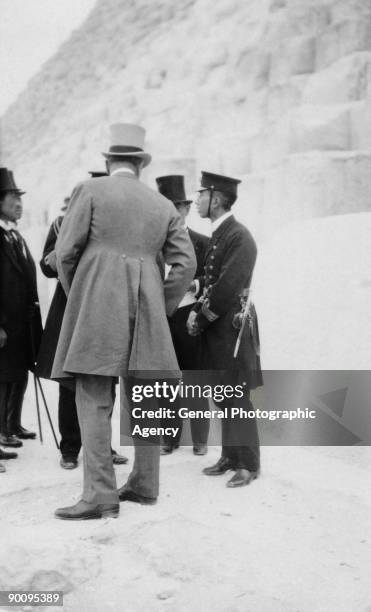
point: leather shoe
(127, 495)
(2, 468)
(6, 455)
(68, 463)
(118, 459)
(23, 434)
(83, 511)
(167, 449)
(7, 440)
(200, 449)
(242, 478)
(223, 465)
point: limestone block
(282, 98)
(254, 66)
(343, 38)
(321, 127)
(344, 81)
(316, 185)
(270, 147)
(347, 9)
(302, 57)
(361, 125)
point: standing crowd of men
(140, 297)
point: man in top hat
(20, 321)
(226, 322)
(187, 347)
(115, 319)
(70, 443)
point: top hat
(172, 188)
(218, 182)
(127, 140)
(97, 173)
(7, 182)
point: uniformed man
(187, 347)
(229, 345)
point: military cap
(218, 182)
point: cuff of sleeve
(209, 314)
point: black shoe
(6, 455)
(83, 511)
(200, 449)
(127, 495)
(7, 440)
(242, 478)
(68, 463)
(223, 465)
(118, 459)
(167, 449)
(23, 434)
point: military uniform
(229, 264)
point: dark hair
(129, 159)
(227, 199)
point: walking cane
(38, 382)
(38, 409)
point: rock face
(276, 92)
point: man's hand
(51, 260)
(3, 337)
(192, 326)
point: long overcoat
(53, 323)
(229, 264)
(115, 320)
(19, 307)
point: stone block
(321, 127)
(343, 38)
(282, 98)
(317, 185)
(344, 81)
(302, 58)
(361, 125)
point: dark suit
(229, 263)
(21, 320)
(69, 429)
(188, 352)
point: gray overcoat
(115, 320)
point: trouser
(199, 427)
(240, 438)
(94, 400)
(11, 402)
(68, 423)
(144, 477)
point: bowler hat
(7, 182)
(218, 182)
(127, 140)
(172, 188)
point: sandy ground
(296, 540)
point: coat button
(212, 256)
(214, 247)
(211, 267)
(142, 259)
(123, 256)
